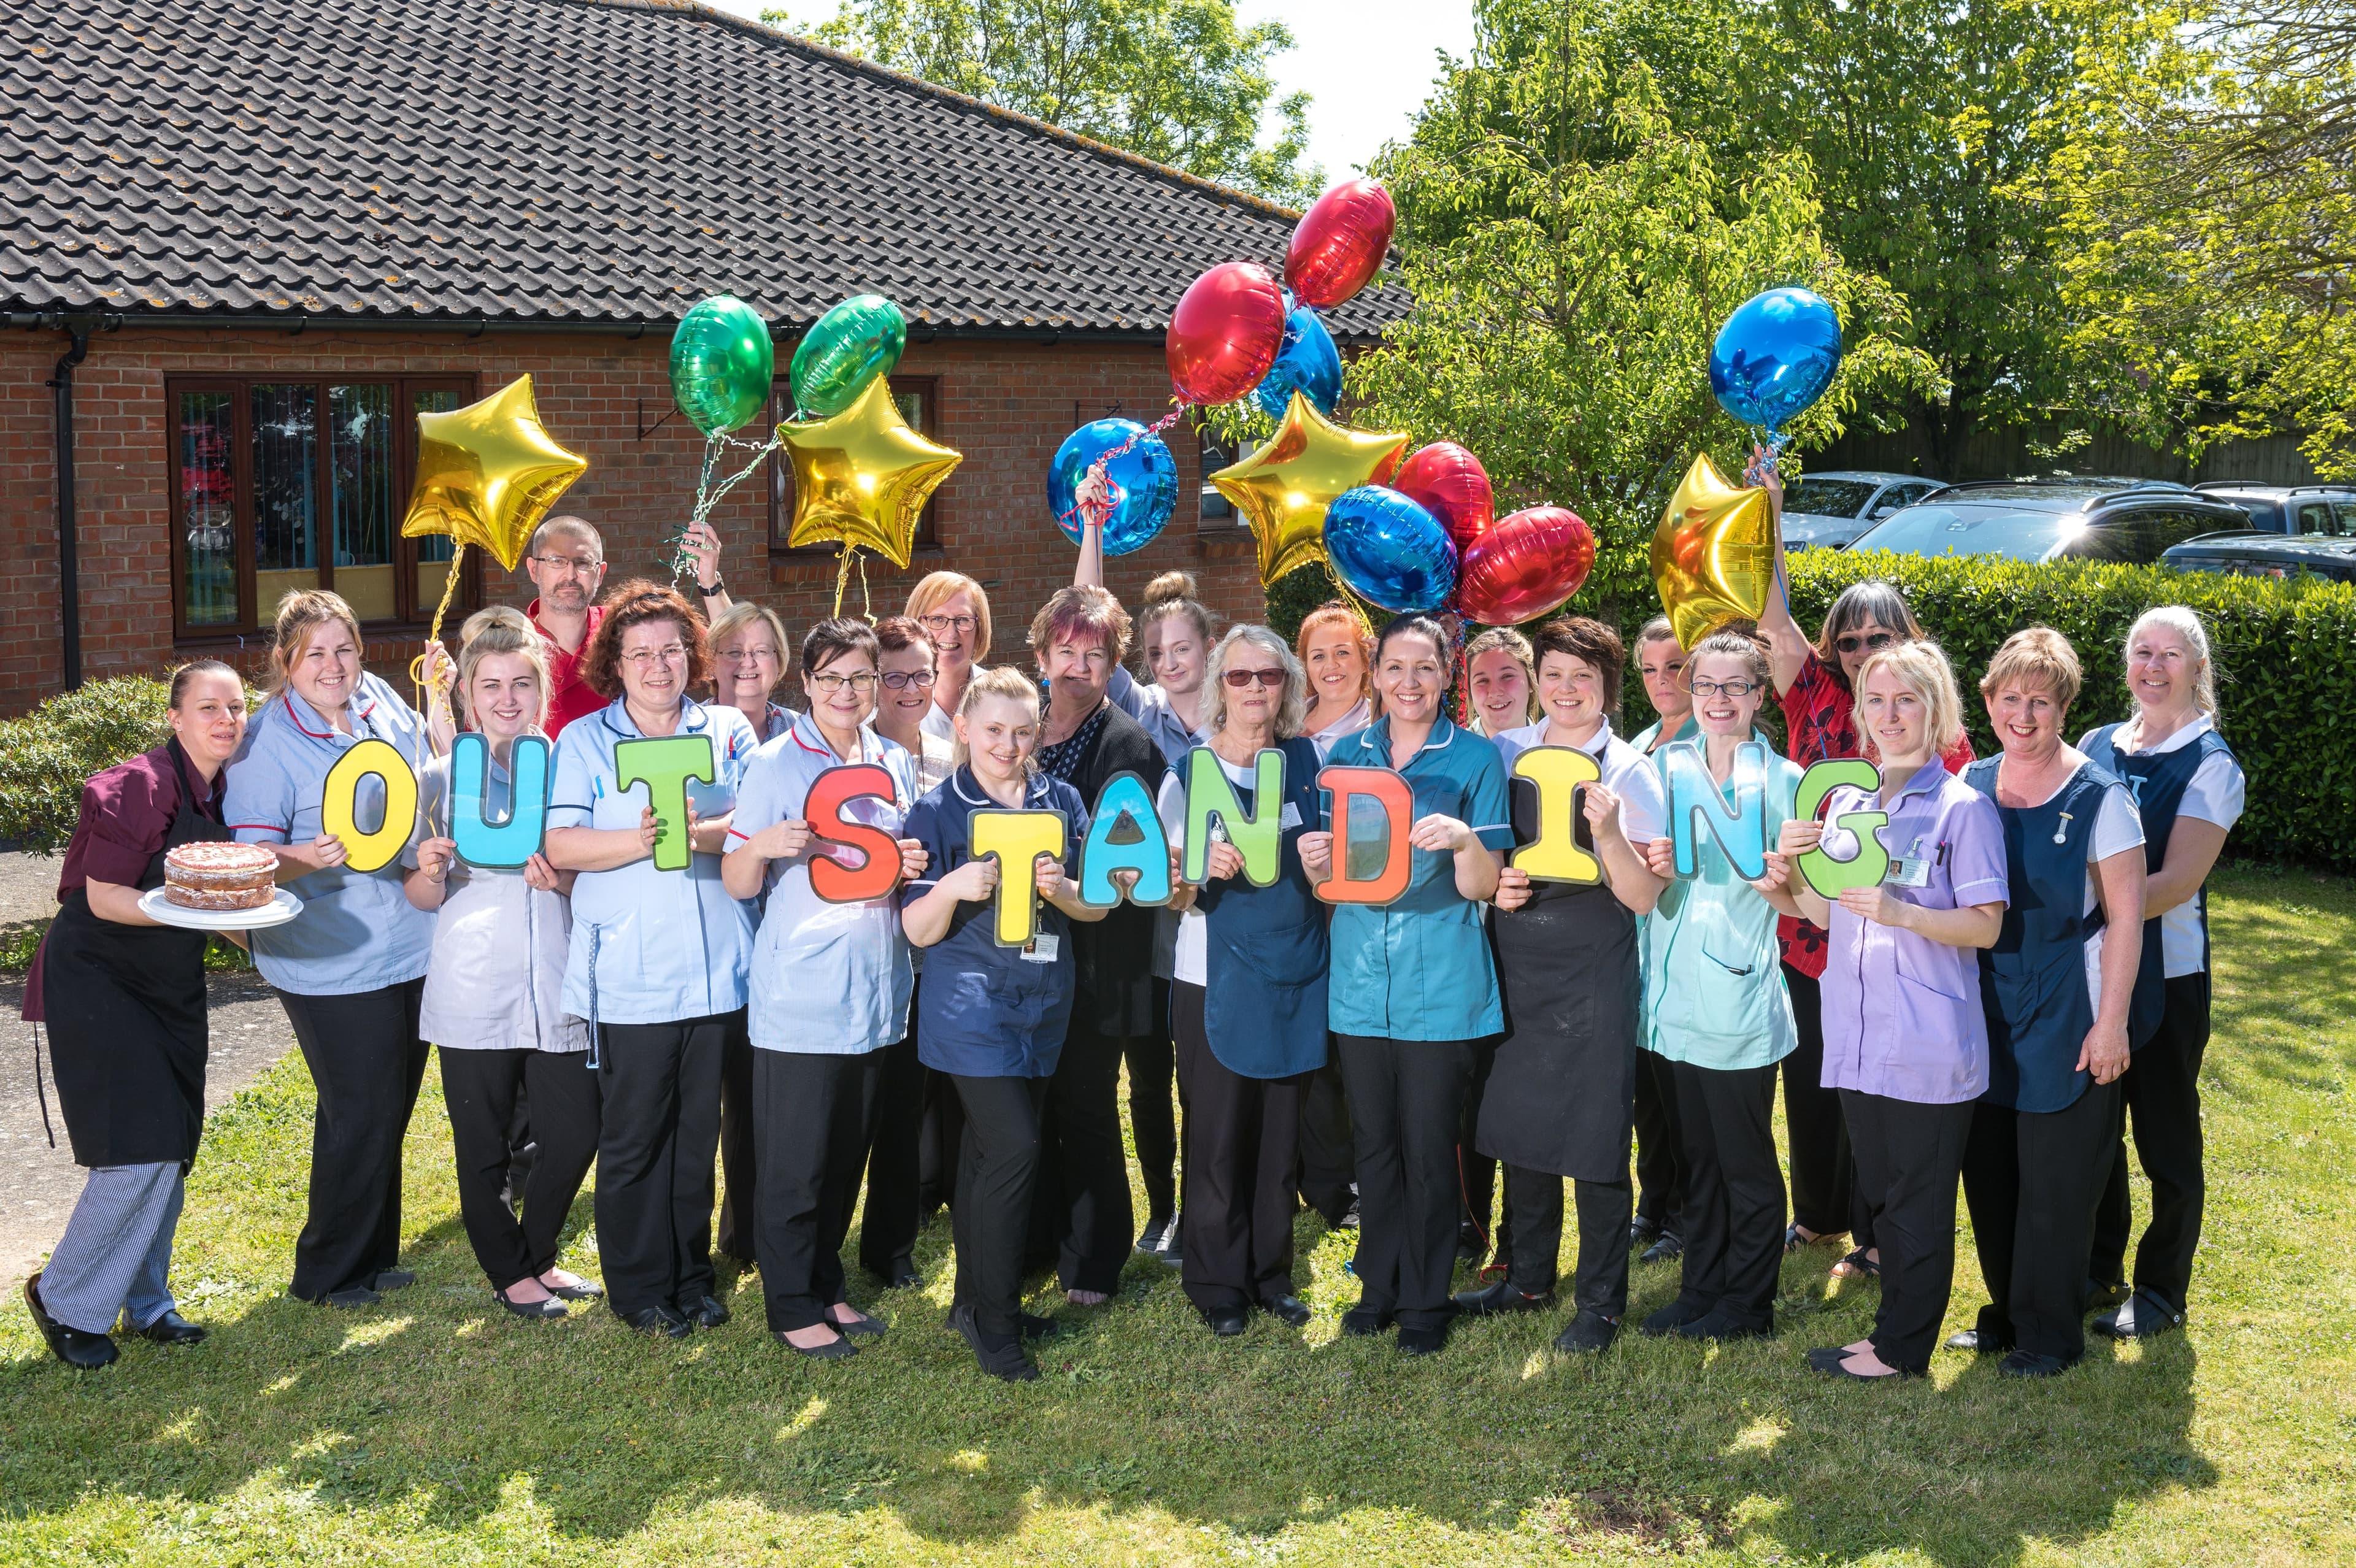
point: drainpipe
(69, 541)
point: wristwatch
(718, 586)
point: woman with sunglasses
(1816, 682)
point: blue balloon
(1144, 483)
(1775, 356)
(1388, 550)
(1308, 364)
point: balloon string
(708, 496)
(842, 574)
(432, 697)
(1103, 509)
(866, 600)
(1348, 599)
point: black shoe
(837, 1349)
(1422, 1341)
(1035, 1327)
(172, 1328)
(902, 1273)
(709, 1313)
(391, 1279)
(547, 1306)
(860, 1328)
(1719, 1327)
(1671, 1318)
(2029, 1364)
(663, 1322)
(356, 1296)
(2101, 1297)
(1471, 1246)
(1289, 1309)
(1670, 1245)
(1226, 1322)
(1160, 1232)
(2141, 1316)
(1349, 1220)
(74, 1347)
(584, 1291)
(1361, 1322)
(1498, 1300)
(1827, 1358)
(1590, 1333)
(1973, 1340)
(1642, 1233)
(1005, 1361)
(1174, 1245)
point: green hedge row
(47, 755)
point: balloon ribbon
(431, 698)
(708, 495)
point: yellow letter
(1017, 838)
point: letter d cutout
(1354, 789)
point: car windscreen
(1829, 498)
(1938, 528)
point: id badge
(1907, 872)
(1042, 949)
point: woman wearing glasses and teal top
(1716, 1010)
(658, 958)
(1412, 989)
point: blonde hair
(937, 588)
(741, 614)
(2036, 659)
(997, 681)
(501, 629)
(1290, 714)
(1922, 668)
(300, 613)
(1507, 640)
(1172, 593)
(2187, 625)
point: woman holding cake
(124, 1000)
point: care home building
(243, 246)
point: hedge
(46, 755)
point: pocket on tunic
(1929, 977)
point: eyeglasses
(570, 566)
(1873, 643)
(639, 658)
(830, 683)
(1239, 678)
(949, 622)
(746, 656)
(902, 679)
(1724, 687)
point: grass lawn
(435, 1429)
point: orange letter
(1370, 866)
(879, 872)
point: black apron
(126, 1017)
(1561, 1092)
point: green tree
(1174, 81)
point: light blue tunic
(651, 946)
(1149, 706)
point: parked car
(2258, 553)
(2060, 519)
(2297, 509)
(1826, 511)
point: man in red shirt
(567, 564)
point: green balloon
(853, 343)
(721, 363)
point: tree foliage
(1174, 81)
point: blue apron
(1264, 950)
(2033, 981)
(2158, 781)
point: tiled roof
(560, 160)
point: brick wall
(1005, 405)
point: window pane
(432, 549)
(285, 491)
(208, 508)
(359, 426)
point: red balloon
(1524, 566)
(1339, 242)
(1449, 483)
(1227, 331)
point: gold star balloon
(488, 473)
(1714, 556)
(1285, 486)
(862, 477)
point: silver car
(1827, 511)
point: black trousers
(1407, 1103)
(2161, 1095)
(1152, 1061)
(1476, 1173)
(1660, 1163)
(813, 1117)
(887, 1232)
(660, 1130)
(998, 1165)
(2031, 1180)
(1534, 1208)
(739, 1165)
(1328, 1165)
(482, 1089)
(1082, 1214)
(367, 1061)
(1908, 1157)
(939, 1143)
(1243, 1138)
(1734, 1192)
(1823, 1171)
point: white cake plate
(283, 907)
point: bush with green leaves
(47, 755)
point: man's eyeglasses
(1239, 678)
(570, 566)
(1724, 687)
(1872, 642)
(830, 683)
(937, 623)
(639, 658)
(902, 679)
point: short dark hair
(1587, 639)
(897, 634)
(1411, 624)
(1872, 600)
(634, 603)
(835, 636)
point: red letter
(1389, 795)
(831, 880)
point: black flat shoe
(2141, 1316)
(903, 1275)
(1718, 1326)
(708, 1313)
(545, 1309)
(1035, 1327)
(1642, 1233)
(1859, 1265)
(1827, 1358)
(1588, 1334)
(1160, 1232)
(356, 1296)
(837, 1349)
(172, 1328)
(860, 1328)
(2103, 1297)
(1363, 1323)
(1670, 1318)
(1499, 1299)
(1004, 1361)
(663, 1322)
(74, 1347)
(391, 1279)
(1669, 1247)
(1973, 1340)
(1422, 1341)
(2031, 1364)
(1226, 1322)
(584, 1291)
(1290, 1308)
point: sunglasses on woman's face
(1872, 642)
(1239, 678)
